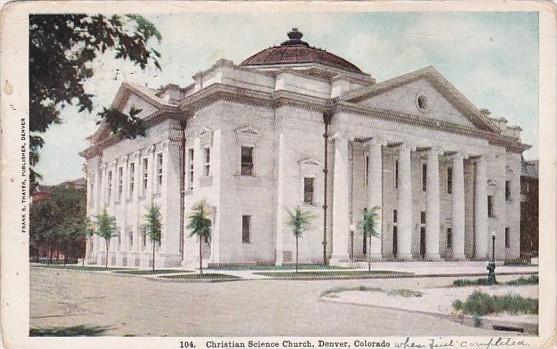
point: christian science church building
(296, 125)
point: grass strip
(480, 303)
(531, 280)
(279, 267)
(329, 274)
(151, 272)
(77, 267)
(402, 292)
(206, 276)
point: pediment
(130, 97)
(424, 93)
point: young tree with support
(368, 225)
(106, 229)
(200, 226)
(153, 227)
(300, 222)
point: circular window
(421, 101)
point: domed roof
(295, 51)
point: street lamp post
(491, 265)
(352, 228)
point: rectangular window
(395, 216)
(366, 170)
(424, 177)
(308, 190)
(144, 236)
(190, 169)
(422, 217)
(507, 190)
(159, 171)
(119, 239)
(130, 238)
(507, 237)
(490, 206)
(449, 180)
(247, 161)
(145, 174)
(120, 182)
(109, 185)
(396, 173)
(449, 238)
(207, 164)
(246, 225)
(132, 178)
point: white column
(280, 202)
(375, 192)
(500, 206)
(341, 220)
(481, 243)
(457, 220)
(405, 203)
(432, 202)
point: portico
(416, 180)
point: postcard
(278, 174)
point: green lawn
(279, 267)
(331, 274)
(150, 271)
(76, 267)
(206, 276)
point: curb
(487, 323)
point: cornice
(510, 143)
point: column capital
(462, 154)
(435, 150)
(376, 141)
(407, 146)
(342, 135)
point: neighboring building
(529, 209)
(249, 139)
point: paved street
(127, 305)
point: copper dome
(295, 51)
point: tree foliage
(368, 225)
(62, 49)
(106, 229)
(153, 227)
(299, 221)
(58, 223)
(200, 227)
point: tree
(368, 227)
(106, 229)
(299, 221)
(62, 49)
(58, 223)
(153, 227)
(200, 226)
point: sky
(492, 58)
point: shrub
(466, 282)
(480, 303)
(532, 280)
(404, 292)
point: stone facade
(251, 142)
